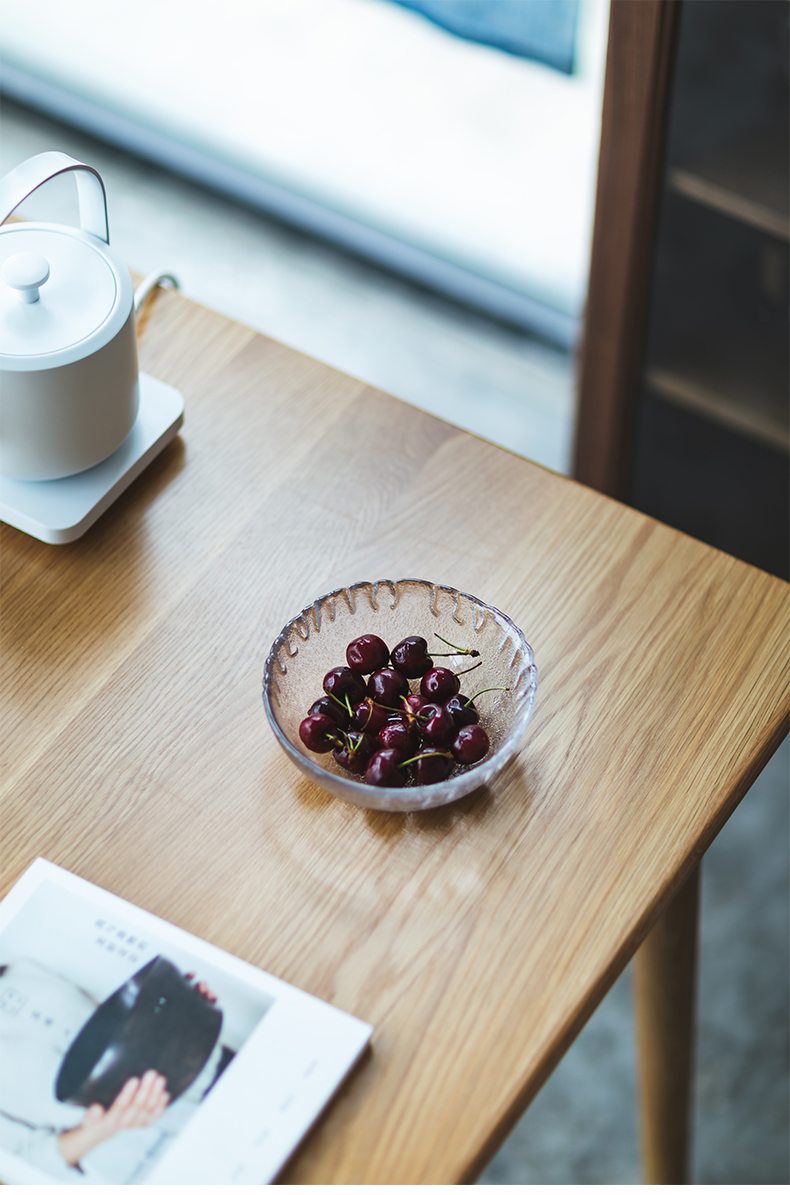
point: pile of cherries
(377, 728)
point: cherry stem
(352, 747)
(465, 670)
(408, 712)
(343, 704)
(459, 651)
(493, 689)
(426, 755)
(346, 704)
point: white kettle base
(59, 512)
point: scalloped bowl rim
(404, 800)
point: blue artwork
(543, 30)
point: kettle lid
(56, 288)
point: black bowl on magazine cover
(156, 1021)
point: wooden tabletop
(477, 939)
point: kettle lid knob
(26, 272)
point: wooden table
(479, 938)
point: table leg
(664, 974)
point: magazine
(133, 1052)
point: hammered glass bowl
(316, 640)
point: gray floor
(582, 1126)
(516, 391)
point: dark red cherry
(439, 684)
(369, 716)
(356, 751)
(344, 682)
(387, 687)
(319, 733)
(433, 767)
(384, 770)
(331, 709)
(462, 710)
(436, 724)
(367, 654)
(410, 656)
(399, 734)
(470, 744)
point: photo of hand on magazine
(95, 1084)
(134, 1051)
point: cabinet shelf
(747, 179)
(722, 199)
(738, 412)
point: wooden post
(636, 101)
(664, 982)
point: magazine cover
(133, 1052)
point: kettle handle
(29, 175)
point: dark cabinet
(699, 434)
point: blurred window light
(363, 121)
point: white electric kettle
(69, 386)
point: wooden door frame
(636, 104)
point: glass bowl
(316, 640)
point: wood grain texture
(664, 984)
(639, 61)
(477, 938)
